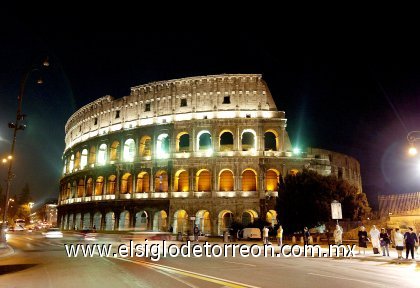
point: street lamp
(412, 137)
(16, 126)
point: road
(39, 262)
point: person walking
(338, 235)
(280, 236)
(399, 243)
(410, 241)
(196, 232)
(363, 239)
(374, 234)
(265, 235)
(306, 236)
(384, 241)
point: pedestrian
(306, 236)
(384, 241)
(94, 228)
(265, 235)
(374, 234)
(363, 239)
(280, 236)
(338, 235)
(399, 243)
(410, 241)
(196, 231)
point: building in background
(401, 210)
(205, 150)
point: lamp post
(16, 127)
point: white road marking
(349, 279)
(252, 265)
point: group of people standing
(381, 239)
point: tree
(305, 200)
(25, 196)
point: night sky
(354, 90)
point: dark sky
(354, 90)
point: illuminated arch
(74, 189)
(71, 165)
(109, 221)
(84, 159)
(271, 217)
(145, 146)
(225, 220)
(226, 140)
(183, 142)
(142, 220)
(143, 182)
(160, 221)
(92, 155)
(124, 221)
(111, 184)
(77, 161)
(99, 186)
(126, 184)
(181, 222)
(203, 221)
(80, 188)
(68, 191)
(271, 179)
(249, 140)
(249, 180)
(181, 181)
(248, 217)
(203, 180)
(226, 180)
(89, 187)
(102, 154)
(114, 151)
(162, 146)
(161, 181)
(271, 140)
(204, 142)
(129, 150)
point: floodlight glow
(296, 151)
(209, 152)
(412, 151)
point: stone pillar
(152, 181)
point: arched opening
(225, 221)
(249, 180)
(181, 222)
(248, 217)
(126, 184)
(71, 164)
(145, 146)
(109, 221)
(271, 217)
(162, 146)
(99, 186)
(226, 141)
(124, 221)
(86, 221)
(89, 187)
(183, 142)
(181, 181)
(97, 219)
(203, 180)
(204, 141)
(143, 182)
(159, 221)
(248, 140)
(102, 154)
(142, 220)
(114, 152)
(271, 180)
(80, 188)
(84, 159)
(271, 141)
(111, 184)
(129, 150)
(226, 180)
(203, 221)
(77, 161)
(68, 191)
(74, 190)
(161, 181)
(78, 222)
(92, 155)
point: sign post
(336, 212)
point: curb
(6, 251)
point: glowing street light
(412, 137)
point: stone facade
(202, 150)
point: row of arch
(182, 182)
(158, 220)
(130, 151)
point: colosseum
(205, 150)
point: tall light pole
(16, 126)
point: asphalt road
(40, 262)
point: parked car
(53, 233)
(249, 233)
